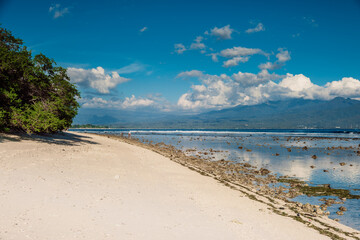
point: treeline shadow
(62, 138)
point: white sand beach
(82, 186)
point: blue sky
(195, 55)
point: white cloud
(136, 102)
(251, 79)
(240, 51)
(222, 33)
(296, 83)
(134, 67)
(95, 78)
(128, 103)
(143, 29)
(235, 61)
(189, 74)
(179, 48)
(198, 44)
(95, 102)
(237, 55)
(217, 92)
(270, 66)
(214, 56)
(258, 28)
(133, 102)
(58, 11)
(283, 55)
(346, 87)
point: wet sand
(83, 186)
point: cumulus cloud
(239, 52)
(222, 33)
(296, 83)
(214, 56)
(346, 87)
(237, 55)
(136, 102)
(179, 48)
(270, 66)
(58, 11)
(95, 78)
(95, 102)
(217, 92)
(235, 61)
(282, 57)
(258, 28)
(128, 103)
(251, 79)
(198, 44)
(189, 74)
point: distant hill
(294, 113)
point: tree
(36, 96)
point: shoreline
(76, 185)
(304, 213)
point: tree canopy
(36, 95)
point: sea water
(303, 154)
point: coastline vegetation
(36, 96)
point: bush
(36, 96)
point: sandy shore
(79, 186)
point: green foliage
(36, 96)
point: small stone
(312, 166)
(336, 219)
(342, 208)
(308, 208)
(342, 164)
(318, 210)
(247, 165)
(264, 171)
(340, 213)
(325, 170)
(314, 156)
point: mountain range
(287, 114)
